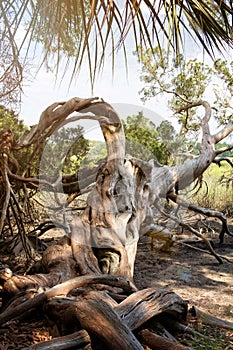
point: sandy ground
(194, 275)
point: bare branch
(227, 130)
(55, 116)
(3, 170)
(194, 231)
(207, 212)
(218, 160)
(223, 149)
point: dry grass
(215, 192)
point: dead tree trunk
(103, 240)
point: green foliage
(88, 29)
(144, 140)
(168, 135)
(190, 81)
(224, 91)
(196, 146)
(154, 71)
(97, 152)
(187, 82)
(65, 150)
(9, 121)
(227, 153)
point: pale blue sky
(121, 89)
(43, 91)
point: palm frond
(92, 30)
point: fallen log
(141, 306)
(98, 318)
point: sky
(122, 90)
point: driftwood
(86, 281)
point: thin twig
(201, 250)
(195, 232)
(7, 189)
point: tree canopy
(187, 83)
(146, 141)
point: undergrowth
(210, 338)
(215, 192)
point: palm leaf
(92, 30)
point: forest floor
(194, 275)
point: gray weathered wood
(147, 303)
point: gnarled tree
(102, 242)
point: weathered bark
(100, 320)
(98, 313)
(145, 304)
(18, 311)
(63, 289)
(104, 238)
(57, 262)
(78, 340)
